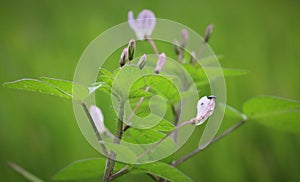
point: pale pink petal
(98, 119)
(143, 25)
(160, 63)
(131, 21)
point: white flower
(98, 119)
(205, 108)
(143, 25)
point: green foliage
(275, 112)
(50, 86)
(162, 170)
(199, 74)
(86, 168)
(231, 117)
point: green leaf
(67, 87)
(162, 170)
(199, 74)
(35, 85)
(231, 117)
(142, 136)
(27, 175)
(164, 126)
(50, 86)
(86, 168)
(275, 112)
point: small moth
(205, 108)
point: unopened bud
(142, 61)
(177, 47)
(208, 33)
(193, 57)
(160, 63)
(185, 36)
(98, 120)
(124, 57)
(131, 49)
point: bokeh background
(46, 38)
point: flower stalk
(110, 163)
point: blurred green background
(46, 38)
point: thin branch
(228, 131)
(86, 110)
(121, 172)
(200, 50)
(125, 170)
(152, 43)
(135, 109)
(165, 137)
(110, 163)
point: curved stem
(165, 137)
(191, 154)
(86, 110)
(153, 45)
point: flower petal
(143, 25)
(146, 21)
(131, 21)
(98, 119)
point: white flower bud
(193, 58)
(142, 61)
(205, 108)
(160, 63)
(98, 119)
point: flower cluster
(143, 27)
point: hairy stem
(152, 43)
(110, 163)
(225, 133)
(86, 110)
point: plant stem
(121, 172)
(110, 163)
(152, 43)
(166, 136)
(228, 131)
(200, 50)
(86, 110)
(135, 109)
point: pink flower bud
(185, 36)
(124, 57)
(208, 33)
(160, 63)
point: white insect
(205, 108)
